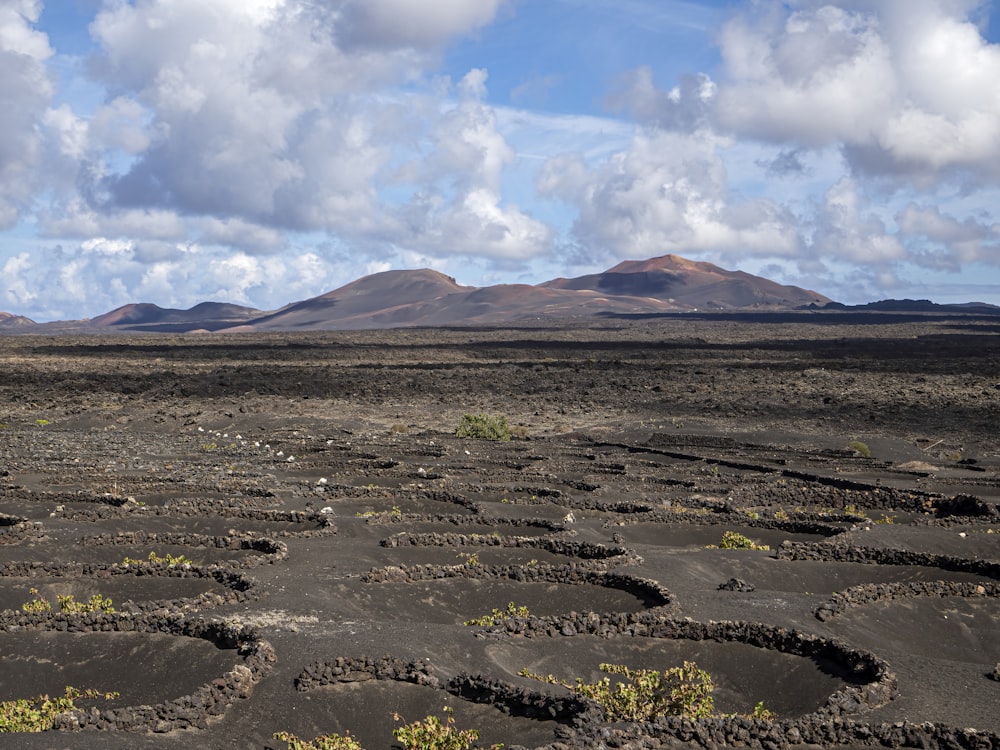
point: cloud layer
(259, 151)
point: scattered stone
(737, 584)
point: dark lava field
(292, 535)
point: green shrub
(68, 603)
(154, 559)
(645, 694)
(434, 734)
(96, 603)
(36, 605)
(484, 427)
(323, 742)
(735, 540)
(488, 621)
(858, 447)
(430, 734)
(38, 714)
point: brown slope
(150, 317)
(394, 298)
(688, 283)
(511, 302)
(9, 320)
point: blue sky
(265, 151)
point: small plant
(42, 422)
(468, 560)
(519, 431)
(781, 515)
(396, 512)
(858, 447)
(645, 694)
(488, 621)
(96, 603)
(38, 714)
(399, 429)
(853, 510)
(735, 540)
(68, 603)
(36, 605)
(484, 427)
(323, 742)
(434, 734)
(154, 559)
(886, 519)
(765, 714)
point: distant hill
(428, 298)
(691, 284)
(209, 316)
(918, 306)
(9, 320)
(381, 296)
(424, 297)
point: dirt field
(320, 535)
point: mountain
(209, 316)
(388, 297)
(427, 298)
(394, 299)
(691, 284)
(9, 320)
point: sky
(261, 152)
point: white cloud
(667, 193)
(908, 87)
(25, 94)
(846, 230)
(15, 289)
(458, 208)
(404, 23)
(945, 242)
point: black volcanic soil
(324, 506)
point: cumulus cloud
(945, 242)
(668, 192)
(268, 116)
(102, 273)
(684, 107)
(460, 209)
(25, 94)
(403, 23)
(906, 87)
(846, 230)
(15, 289)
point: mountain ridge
(429, 298)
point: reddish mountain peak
(673, 263)
(9, 320)
(134, 312)
(420, 283)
